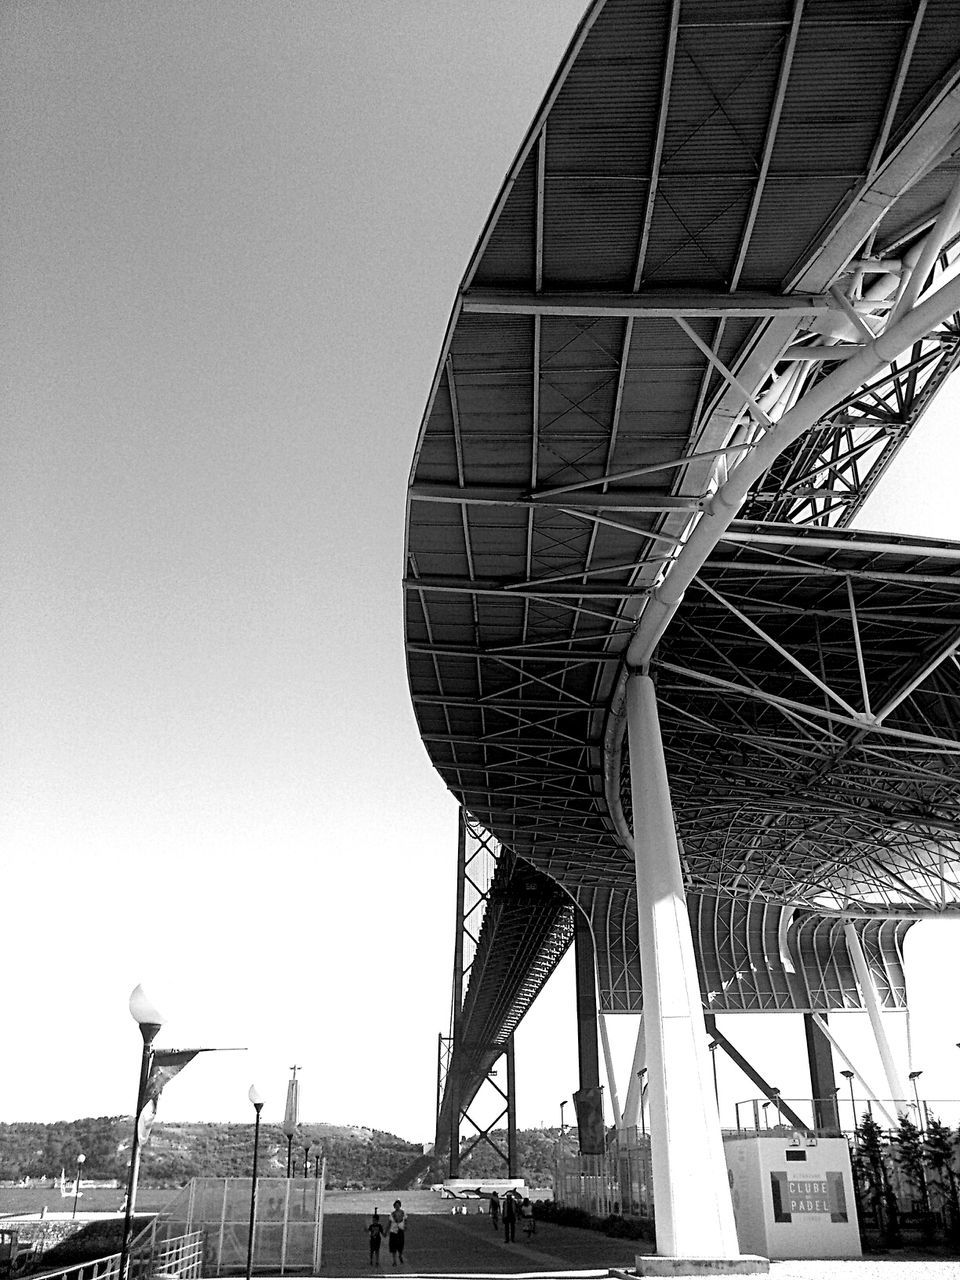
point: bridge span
(693, 719)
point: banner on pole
(164, 1065)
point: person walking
(397, 1233)
(495, 1211)
(376, 1233)
(529, 1221)
(509, 1219)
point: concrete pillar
(826, 1113)
(693, 1210)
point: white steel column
(631, 1107)
(693, 1209)
(608, 1063)
(868, 990)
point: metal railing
(152, 1254)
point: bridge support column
(454, 1163)
(694, 1214)
(871, 1000)
(826, 1112)
(511, 1111)
(634, 1100)
(588, 1100)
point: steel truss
(654, 333)
(514, 925)
(458, 1112)
(809, 703)
(752, 955)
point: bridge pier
(823, 1082)
(588, 1100)
(694, 1213)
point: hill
(357, 1157)
(176, 1152)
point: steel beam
(753, 1074)
(654, 304)
(492, 496)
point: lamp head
(147, 1017)
(915, 1075)
(847, 1075)
(255, 1098)
(81, 1158)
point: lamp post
(307, 1144)
(914, 1076)
(317, 1153)
(848, 1076)
(258, 1107)
(713, 1046)
(149, 1021)
(643, 1119)
(76, 1187)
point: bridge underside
(708, 219)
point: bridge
(697, 725)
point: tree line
(907, 1180)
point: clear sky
(230, 241)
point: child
(376, 1233)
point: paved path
(458, 1245)
(452, 1245)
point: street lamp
(643, 1119)
(307, 1144)
(914, 1076)
(848, 1076)
(258, 1107)
(76, 1189)
(713, 1046)
(149, 1021)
